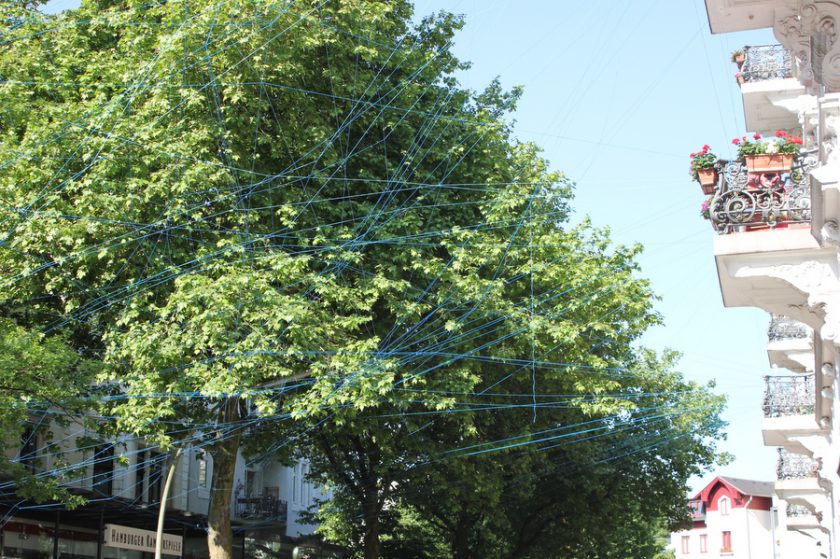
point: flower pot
(769, 162)
(707, 179)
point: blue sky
(618, 94)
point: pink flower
(736, 141)
(757, 136)
(692, 155)
(706, 147)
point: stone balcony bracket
(807, 31)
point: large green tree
(219, 198)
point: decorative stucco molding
(810, 33)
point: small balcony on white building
(799, 517)
(766, 254)
(789, 405)
(790, 345)
(697, 510)
(771, 89)
(798, 481)
(260, 508)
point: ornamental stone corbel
(817, 280)
(830, 331)
(831, 232)
(810, 33)
(792, 31)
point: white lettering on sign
(125, 537)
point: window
(704, 543)
(306, 487)
(685, 544)
(727, 541)
(140, 484)
(250, 483)
(723, 506)
(28, 450)
(103, 469)
(155, 480)
(202, 470)
(296, 483)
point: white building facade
(741, 519)
(777, 250)
(124, 480)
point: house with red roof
(737, 518)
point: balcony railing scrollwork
(788, 395)
(697, 510)
(260, 508)
(797, 511)
(747, 201)
(766, 62)
(784, 328)
(795, 466)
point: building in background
(778, 225)
(123, 483)
(740, 518)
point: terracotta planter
(707, 179)
(769, 162)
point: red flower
(692, 155)
(757, 136)
(795, 140)
(781, 133)
(736, 141)
(706, 147)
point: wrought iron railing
(745, 201)
(696, 510)
(784, 328)
(788, 395)
(260, 508)
(795, 466)
(794, 511)
(766, 62)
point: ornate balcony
(260, 508)
(795, 466)
(766, 62)
(770, 87)
(801, 517)
(790, 345)
(697, 510)
(784, 328)
(793, 511)
(789, 395)
(745, 201)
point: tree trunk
(461, 539)
(370, 507)
(219, 532)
